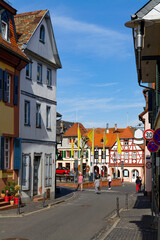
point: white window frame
(75, 154)
(134, 155)
(39, 73)
(26, 162)
(26, 112)
(48, 170)
(6, 30)
(118, 156)
(49, 77)
(126, 155)
(38, 115)
(125, 173)
(6, 152)
(8, 88)
(48, 117)
(42, 34)
(29, 69)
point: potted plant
(6, 198)
(12, 202)
(2, 193)
(17, 195)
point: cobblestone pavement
(135, 223)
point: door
(134, 175)
(36, 175)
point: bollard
(18, 209)
(118, 207)
(44, 196)
(126, 203)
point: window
(68, 166)
(67, 154)
(48, 117)
(126, 143)
(29, 70)
(48, 170)
(134, 155)
(125, 173)
(38, 115)
(59, 165)
(49, 77)
(104, 155)
(75, 154)
(4, 30)
(39, 73)
(8, 87)
(25, 172)
(7, 152)
(118, 156)
(26, 113)
(126, 155)
(42, 34)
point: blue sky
(98, 82)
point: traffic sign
(148, 165)
(152, 147)
(156, 137)
(148, 134)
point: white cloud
(104, 84)
(91, 39)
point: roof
(12, 46)
(73, 131)
(26, 23)
(147, 8)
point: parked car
(62, 170)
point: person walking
(97, 185)
(137, 184)
(80, 182)
(109, 181)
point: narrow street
(81, 218)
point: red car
(62, 170)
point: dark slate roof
(147, 8)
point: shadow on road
(61, 192)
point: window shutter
(17, 153)
(64, 154)
(29, 113)
(50, 170)
(86, 154)
(1, 83)
(46, 170)
(15, 93)
(70, 154)
(25, 172)
(1, 153)
(4, 86)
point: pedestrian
(97, 185)
(80, 182)
(137, 184)
(140, 184)
(109, 181)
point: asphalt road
(81, 218)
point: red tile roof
(73, 131)
(26, 23)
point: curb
(40, 210)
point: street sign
(152, 147)
(148, 165)
(148, 134)
(156, 137)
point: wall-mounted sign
(152, 147)
(148, 165)
(148, 134)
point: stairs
(6, 205)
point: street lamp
(114, 163)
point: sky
(98, 81)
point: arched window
(42, 34)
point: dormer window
(4, 30)
(42, 34)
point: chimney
(115, 126)
(107, 128)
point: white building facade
(38, 107)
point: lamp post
(114, 162)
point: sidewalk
(135, 223)
(34, 207)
